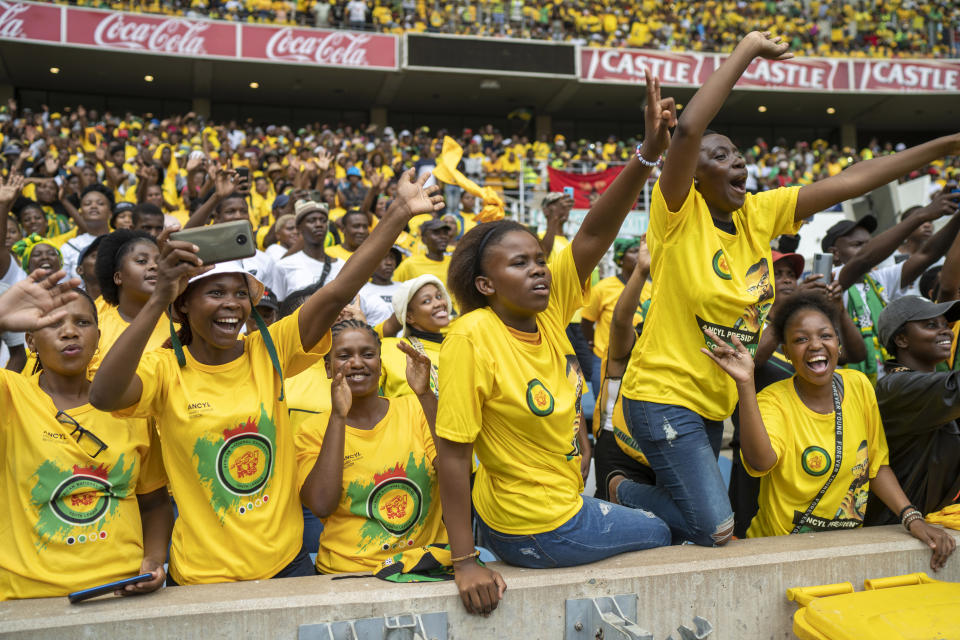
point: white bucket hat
(409, 288)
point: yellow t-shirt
(519, 404)
(599, 310)
(338, 251)
(72, 521)
(112, 326)
(228, 449)
(704, 277)
(418, 265)
(307, 394)
(805, 444)
(393, 365)
(390, 500)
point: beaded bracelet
(475, 554)
(644, 161)
(905, 509)
(910, 517)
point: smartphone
(221, 242)
(823, 264)
(568, 191)
(243, 172)
(110, 587)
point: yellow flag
(446, 171)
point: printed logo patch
(82, 498)
(395, 502)
(720, 266)
(244, 462)
(539, 399)
(815, 461)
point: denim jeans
(599, 530)
(682, 449)
(595, 375)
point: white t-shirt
(300, 271)
(276, 251)
(357, 10)
(71, 251)
(383, 291)
(374, 307)
(8, 339)
(264, 269)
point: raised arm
(117, 385)
(681, 163)
(320, 310)
(882, 246)
(754, 441)
(936, 246)
(622, 332)
(418, 373)
(224, 185)
(9, 190)
(323, 486)
(37, 301)
(862, 177)
(603, 221)
(950, 274)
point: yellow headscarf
(446, 171)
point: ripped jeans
(599, 530)
(682, 448)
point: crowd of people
(870, 28)
(394, 374)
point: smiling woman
(816, 439)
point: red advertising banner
(151, 34)
(627, 65)
(584, 184)
(25, 21)
(907, 75)
(318, 47)
(804, 74)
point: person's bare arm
(681, 163)
(602, 223)
(950, 273)
(224, 185)
(623, 335)
(323, 486)
(937, 244)
(156, 519)
(321, 309)
(9, 190)
(862, 177)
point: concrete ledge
(739, 588)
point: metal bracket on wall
(603, 618)
(702, 626)
(410, 626)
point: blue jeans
(312, 528)
(595, 377)
(682, 449)
(599, 530)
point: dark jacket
(920, 412)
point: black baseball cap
(842, 228)
(269, 299)
(435, 223)
(909, 309)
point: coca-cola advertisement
(320, 47)
(152, 34)
(929, 76)
(26, 21)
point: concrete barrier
(738, 588)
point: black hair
(145, 209)
(101, 189)
(802, 302)
(236, 195)
(30, 204)
(929, 283)
(350, 324)
(38, 366)
(113, 249)
(295, 299)
(909, 212)
(467, 261)
(352, 212)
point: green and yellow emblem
(539, 399)
(815, 461)
(720, 266)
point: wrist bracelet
(475, 554)
(905, 509)
(644, 161)
(910, 518)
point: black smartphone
(243, 172)
(110, 587)
(221, 242)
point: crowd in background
(391, 342)
(871, 28)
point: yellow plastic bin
(910, 607)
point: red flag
(584, 184)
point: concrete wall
(739, 589)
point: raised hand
(767, 46)
(225, 182)
(51, 165)
(324, 158)
(36, 301)
(414, 197)
(195, 163)
(943, 204)
(10, 189)
(643, 256)
(177, 264)
(341, 398)
(813, 283)
(418, 369)
(660, 115)
(735, 360)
